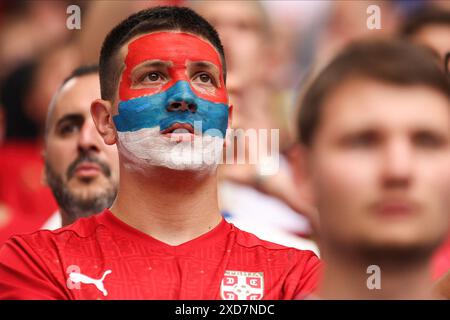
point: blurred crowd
(272, 48)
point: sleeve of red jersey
(24, 275)
(304, 277)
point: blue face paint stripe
(150, 111)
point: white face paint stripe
(147, 147)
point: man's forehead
(169, 44)
(75, 96)
(366, 102)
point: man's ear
(101, 113)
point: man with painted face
(164, 103)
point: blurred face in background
(379, 167)
(46, 80)
(435, 36)
(81, 170)
(241, 27)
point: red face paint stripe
(177, 48)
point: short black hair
(145, 21)
(423, 18)
(394, 61)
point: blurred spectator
(27, 28)
(347, 21)
(13, 94)
(25, 203)
(295, 26)
(26, 99)
(101, 16)
(253, 202)
(375, 145)
(52, 68)
(431, 27)
(80, 169)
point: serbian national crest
(242, 285)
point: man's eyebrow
(153, 63)
(204, 64)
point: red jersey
(441, 260)
(25, 201)
(101, 257)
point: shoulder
(249, 241)
(48, 240)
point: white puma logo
(77, 277)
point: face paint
(150, 111)
(177, 49)
(145, 147)
(179, 63)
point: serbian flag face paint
(165, 71)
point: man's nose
(182, 106)
(398, 163)
(183, 99)
(89, 138)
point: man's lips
(87, 169)
(396, 208)
(182, 127)
(179, 132)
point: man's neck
(171, 206)
(355, 277)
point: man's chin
(148, 149)
(397, 247)
(88, 190)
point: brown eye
(204, 78)
(153, 77)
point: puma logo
(77, 277)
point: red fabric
(441, 260)
(25, 200)
(38, 266)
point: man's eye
(153, 77)
(67, 129)
(203, 78)
(363, 140)
(428, 140)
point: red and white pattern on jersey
(241, 285)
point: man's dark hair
(146, 21)
(81, 71)
(424, 18)
(396, 62)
